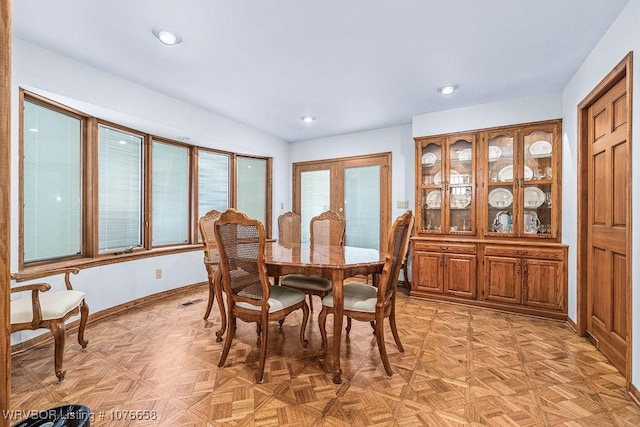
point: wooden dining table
(334, 262)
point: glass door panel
(502, 184)
(362, 206)
(315, 197)
(538, 190)
(432, 187)
(460, 186)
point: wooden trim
(103, 314)
(107, 259)
(621, 70)
(571, 324)
(336, 166)
(5, 206)
(512, 127)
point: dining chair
(50, 309)
(367, 303)
(289, 228)
(327, 228)
(405, 256)
(211, 264)
(250, 297)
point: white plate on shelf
(494, 153)
(506, 173)
(540, 148)
(434, 199)
(460, 201)
(429, 159)
(500, 198)
(533, 197)
(465, 155)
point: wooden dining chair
(328, 228)
(250, 297)
(405, 256)
(289, 228)
(211, 264)
(50, 310)
(370, 304)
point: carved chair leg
(227, 342)
(381, 346)
(84, 314)
(280, 323)
(58, 330)
(322, 323)
(373, 326)
(348, 328)
(217, 280)
(311, 302)
(303, 327)
(263, 345)
(211, 298)
(394, 330)
(406, 276)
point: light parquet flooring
(462, 366)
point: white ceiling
(353, 64)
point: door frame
(5, 206)
(384, 159)
(621, 70)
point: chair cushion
(280, 298)
(357, 297)
(300, 281)
(53, 304)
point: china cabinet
(488, 219)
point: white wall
(502, 113)
(396, 139)
(622, 37)
(108, 97)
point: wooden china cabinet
(488, 219)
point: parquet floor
(462, 366)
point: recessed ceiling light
(166, 36)
(307, 119)
(447, 90)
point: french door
(357, 187)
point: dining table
(334, 262)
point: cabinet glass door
(537, 173)
(432, 186)
(501, 183)
(460, 186)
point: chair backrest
(241, 241)
(405, 249)
(398, 236)
(328, 228)
(205, 224)
(289, 228)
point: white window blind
(316, 197)
(119, 189)
(170, 195)
(362, 206)
(252, 187)
(52, 182)
(213, 182)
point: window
(52, 183)
(252, 187)
(170, 196)
(119, 189)
(213, 181)
(92, 191)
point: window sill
(30, 273)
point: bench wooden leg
(84, 314)
(58, 330)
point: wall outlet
(403, 204)
(159, 273)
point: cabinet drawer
(528, 252)
(444, 247)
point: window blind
(252, 187)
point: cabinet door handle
(518, 268)
(525, 268)
(441, 260)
